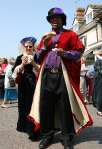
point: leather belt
(53, 70)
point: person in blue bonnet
(24, 73)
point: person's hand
(33, 62)
(47, 38)
(60, 51)
(30, 58)
(36, 66)
(24, 60)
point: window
(85, 41)
(89, 18)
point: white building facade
(88, 24)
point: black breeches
(54, 97)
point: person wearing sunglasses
(25, 72)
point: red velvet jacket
(68, 40)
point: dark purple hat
(31, 39)
(56, 12)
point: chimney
(79, 14)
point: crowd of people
(8, 91)
(49, 75)
(90, 82)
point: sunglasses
(28, 46)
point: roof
(85, 27)
(97, 13)
(95, 7)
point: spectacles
(28, 46)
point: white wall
(99, 30)
(91, 37)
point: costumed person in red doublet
(57, 102)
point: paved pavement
(90, 138)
